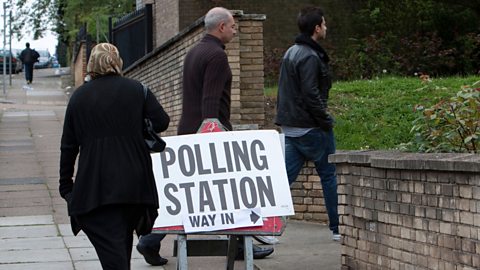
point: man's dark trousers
(29, 72)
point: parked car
(7, 58)
(55, 63)
(16, 53)
(45, 60)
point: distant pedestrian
(114, 191)
(29, 57)
(302, 108)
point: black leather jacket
(303, 89)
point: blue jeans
(316, 145)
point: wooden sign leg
(182, 262)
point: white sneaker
(266, 239)
(336, 237)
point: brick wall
(307, 196)
(166, 14)
(409, 211)
(80, 65)
(161, 70)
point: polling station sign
(207, 178)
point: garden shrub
(407, 37)
(451, 125)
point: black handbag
(152, 140)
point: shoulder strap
(145, 89)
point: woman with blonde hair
(114, 192)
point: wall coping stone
(410, 161)
(253, 17)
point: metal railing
(132, 34)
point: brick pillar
(166, 22)
(80, 65)
(251, 79)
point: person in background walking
(29, 57)
(114, 192)
(302, 113)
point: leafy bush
(440, 38)
(272, 61)
(368, 57)
(363, 58)
(425, 53)
(451, 125)
(467, 61)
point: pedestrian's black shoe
(258, 252)
(151, 256)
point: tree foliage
(66, 17)
(36, 17)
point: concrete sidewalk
(34, 226)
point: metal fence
(83, 37)
(132, 34)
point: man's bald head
(215, 16)
(219, 22)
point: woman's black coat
(103, 123)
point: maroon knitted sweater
(207, 81)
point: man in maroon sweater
(207, 81)
(207, 77)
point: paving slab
(39, 193)
(28, 231)
(25, 202)
(26, 220)
(38, 266)
(27, 210)
(31, 243)
(4, 188)
(34, 256)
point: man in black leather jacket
(302, 108)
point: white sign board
(218, 174)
